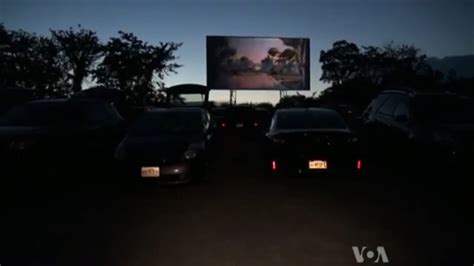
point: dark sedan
(312, 140)
(168, 145)
(61, 133)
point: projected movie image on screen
(257, 63)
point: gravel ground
(240, 217)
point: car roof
(65, 100)
(45, 101)
(177, 109)
(412, 93)
(299, 110)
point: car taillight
(274, 165)
(359, 164)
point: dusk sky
(439, 28)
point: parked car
(218, 115)
(59, 133)
(168, 145)
(310, 140)
(243, 120)
(406, 128)
(10, 97)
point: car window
(86, 113)
(380, 100)
(97, 112)
(168, 123)
(402, 109)
(388, 107)
(309, 120)
(112, 111)
(376, 103)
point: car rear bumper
(173, 173)
(300, 165)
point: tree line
(356, 74)
(59, 64)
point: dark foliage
(358, 74)
(31, 62)
(58, 65)
(79, 50)
(135, 67)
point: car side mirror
(401, 118)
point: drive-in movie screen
(257, 63)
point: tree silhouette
(5, 56)
(31, 62)
(358, 74)
(288, 54)
(135, 67)
(56, 66)
(293, 42)
(245, 62)
(227, 52)
(297, 100)
(341, 63)
(219, 51)
(273, 51)
(244, 59)
(79, 50)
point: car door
(401, 131)
(367, 127)
(384, 134)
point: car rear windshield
(309, 120)
(245, 114)
(168, 123)
(441, 109)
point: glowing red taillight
(359, 164)
(274, 165)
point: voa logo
(364, 254)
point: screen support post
(283, 93)
(233, 97)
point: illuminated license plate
(239, 125)
(150, 171)
(318, 164)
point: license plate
(150, 171)
(239, 125)
(318, 164)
